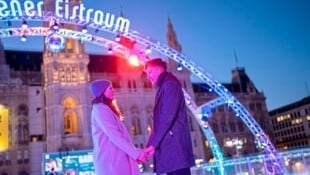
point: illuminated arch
(274, 162)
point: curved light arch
(274, 164)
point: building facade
(46, 104)
(291, 124)
(232, 134)
(38, 125)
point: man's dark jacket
(170, 135)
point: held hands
(146, 154)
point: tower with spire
(66, 116)
(66, 80)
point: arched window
(136, 126)
(70, 117)
(149, 125)
(149, 112)
(22, 110)
(22, 124)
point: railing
(296, 162)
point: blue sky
(270, 37)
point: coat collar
(161, 78)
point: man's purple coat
(170, 135)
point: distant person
(114, 153)
(53, 172)
(170, 139)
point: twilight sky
(271, 38)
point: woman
(114, 153)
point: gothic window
(149, 111)
(19, 157)
(136, 126)
(74, 74)
(68, 74)
(129, 84)
(22, 132)
(22, 124)
(62, 75)
(22, 110)
(26, 156)
(215, 127)
(252, 107)
(241, 127)
(134, 84)
(221, 109)
(134, 110)
(70, 116)
(232, 126)
(259, 107)
(224, 128)
(149, 125)
(262, 123)
(116, 84)
(69, 45)
(7, 158)
(147, 84)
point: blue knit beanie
(97, 87)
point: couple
(169, 142)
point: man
(170, 139)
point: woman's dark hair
(103, 99)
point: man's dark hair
(156, 62)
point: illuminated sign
(64, 10)
(73, 162)
(4, 129)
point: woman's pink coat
(114, 153)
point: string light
(118, 38)
(24, 24)
(179, 67)
(55, 26)
(84, 30)
(148, 50)
(133, 59)
(23, 38)
(110, 51)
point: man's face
(153, 73)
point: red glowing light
(133, 59)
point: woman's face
(109, 93)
